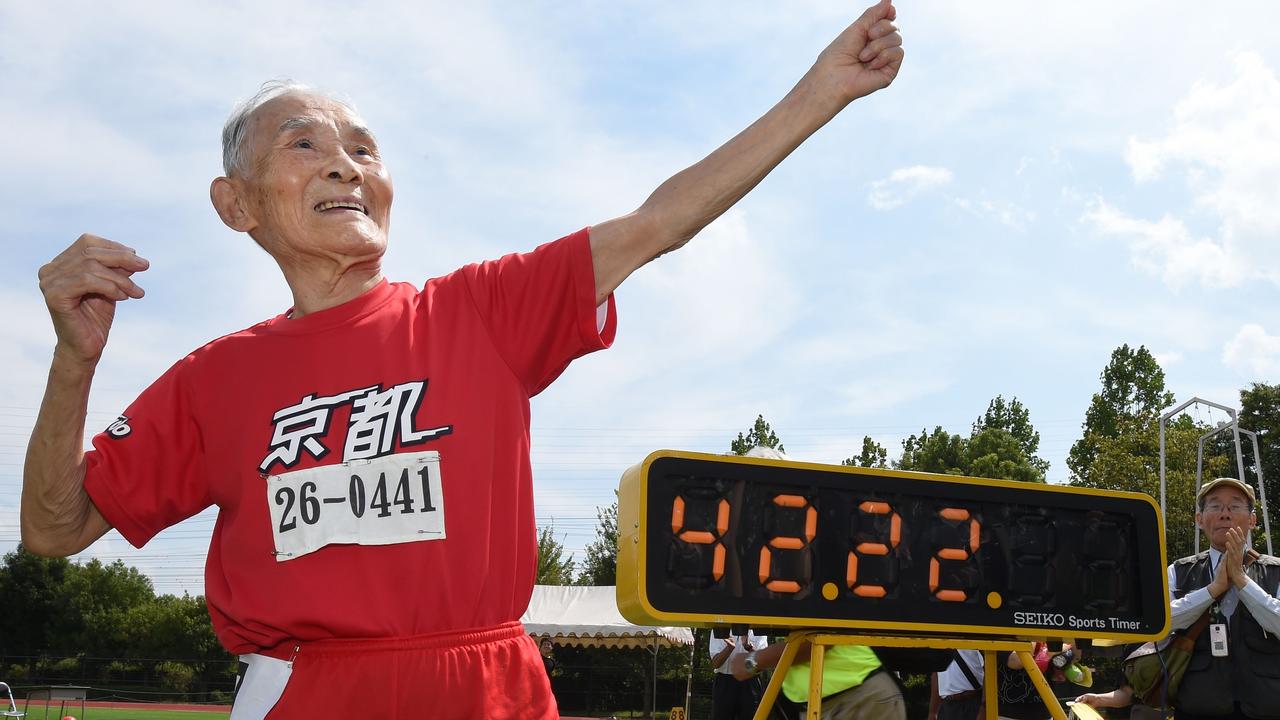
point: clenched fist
(81, 287)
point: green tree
(1260, 412)
(176, 631)
(990, 452)
(1013, 417)
(33, 604)
(936, 452)
(759, 434)
(1132, 391)
(98, 597)
(1131, 461)
(995, 453)
(553, 567)
(873, 455)
(1002, 444)
(601, 564)
(172, 627)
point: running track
(224, 709)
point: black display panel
(775, 543)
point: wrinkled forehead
(1226, 495)
(303, 109)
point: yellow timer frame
(717, 540)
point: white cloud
(904, 184)
(1166, 247)
(876, 396)
(1006, 213)
(1224, 143)
(1167, 360)
(26, 345)
(1253, 354)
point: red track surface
(158, 706)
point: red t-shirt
(449, 369)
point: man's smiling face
(315, 184)
(1223, 508)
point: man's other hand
(81, 287)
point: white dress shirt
(952, 681)
(757, 642)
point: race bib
(384, 501)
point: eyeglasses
(1233, 508)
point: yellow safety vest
(843, 667)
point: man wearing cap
(1239, 675)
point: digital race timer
(716, 540)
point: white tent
(587, 616)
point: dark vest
(1250, 674)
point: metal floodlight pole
(1200, 481)
(1200, 468)
(1239, 451)
(1262, 486)
(654, 708)
(688, 685)
(1234, 426)
(1164, 419)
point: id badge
(1218, 639)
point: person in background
(1239, 588)
(1119, 698)
(1017, 695)
(956, 694)
(731, 698)
(855, 686)
(546, 648)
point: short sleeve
(539, 308)
(715, 645)
(146, 471)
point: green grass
(140, 713)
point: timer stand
(820, 641)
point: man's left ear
(228, 201)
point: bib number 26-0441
(384, 501)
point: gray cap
(1231, 482)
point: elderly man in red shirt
(368, 448)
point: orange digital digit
(712, 536)
(788, 542)
(954, 515)
(871, 507)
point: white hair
(236, 129)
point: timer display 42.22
(714, 540)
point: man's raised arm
(862, 59)
(81, 288)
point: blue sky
(1042, 184)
